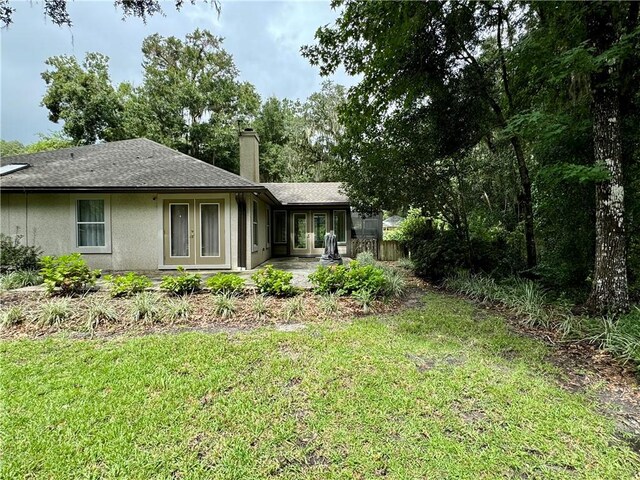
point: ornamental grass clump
(259, 307)
(12, 316)
(54, 312)
(179, 309)
(224, 305)
(293, 308)
(19, 279)
(100, 312)
(146, 306)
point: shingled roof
(325, 193)
(137, 164)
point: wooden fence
(386, 251)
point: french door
(307, 232)
(194, 232)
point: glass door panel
(209, 230)
(299, 231)
(179, 229)
(319, 229)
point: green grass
(425, 394)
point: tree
(83, 97)
(423, 56)
(56, 10)
(54, 141)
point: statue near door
(330, 255)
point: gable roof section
(137, 164)
(319, 193)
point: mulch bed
(202, 316)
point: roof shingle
(326, 193)
(123, 165)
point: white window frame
(268, 226)
(106, 199)
(344, 212)
(200, 225)
(255, 213)
(286, 219)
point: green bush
(128, 284)
(345, 280)
(225, 283)
(68, 273)
(19, 279)
(15, 256)
(366, 258)
(182, 283)
(271, 281)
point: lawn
(440, 392)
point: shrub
(179, 309)
(293, 308)
(405, 263)
(366, 258)
(12, 316)
(224, 305)
(54, 312)
(345, 280)
(15, 256)
(100, 312)
(19, 279)
(271, 281)
(182, 283)
(225, 283)
(127, 285)
(260, 307)
(68, 273)
(146, 306)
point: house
(138, 205)
(392, 223)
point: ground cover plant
(619, 335)
(428, 393)
(19, 279)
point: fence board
(390, 251)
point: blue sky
(263, 37)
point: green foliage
(16, 256)
(54, 312)
(366, 258)
(225, 283)
(128, 284)
(12, 316)
(260, 307)
(271, 281)
(83, 97)
(224, 305)
(395, 284)
(347, 279)
(19, 279)
(293, 309)
(179, 309)
(67, 274)
(405, 263)
(182, 283)
(147, 307)
(329, 303)
(100, 312)
(365, 298)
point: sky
(264, 38)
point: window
(268, 229)
(179, 227)
(92, 229)
(340, 225)
(319, 229)
(254, 230)
(280, 225)
(300, 231)
(209, 230)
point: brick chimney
(249, 149)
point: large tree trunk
(609, 292)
